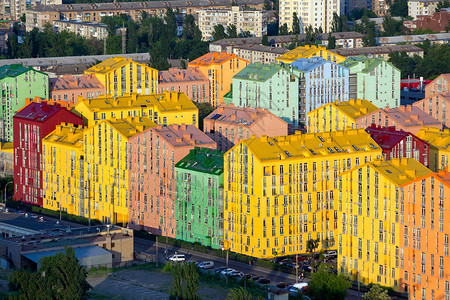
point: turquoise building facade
(17, 84)
(374, 79)
(199, 198)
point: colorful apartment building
(63, 170)
(152, 156)
(190, 81)
(107, 165)
(228, 124)
(121, 76)
(18, 83)
(69, 88)
(47, 101)
(219, 68)
(165, 109)
(280, 192)
(31, 125)
(440, 85)
(339, 115)
(407, 118)
(399, 143)
(371, 214)
(308, 51)
(199, 198)
(436, 106)
(6, 159)
(424, 237)
(374, 79)
(439, 141)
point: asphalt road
(149, 247)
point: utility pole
(124, 38)
(89, 200)
(296, 267)
(5, 190)
(226, 275)
(156, 251)
(104, 46)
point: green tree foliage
(184, 281)
(295, 24)
(239, 294)
(170, 21)
(23, 18)
(443, 4)
(398, 8)
(190, 29)
(190, 276)
(9, 188)
(311, 246)
(367, 28)
(325, 285)
(283, 30)
(265, 40)
(204, 109)
(376, 292)
(176, 290)
(59, 277)
(358, 13)
(339, 23)
(392, 27)
(331, 42)
(218, 32)
(232, 31)
(267, 5)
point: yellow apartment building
(63, 165)
(165, 109)
(121, 76)
(280, 191)
(308, 52)
(439, 140)
(338, 115)
(106, 167)
(371, 201)
(219, 68)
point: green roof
(203, 160)
(368, 63)
(12, 70)
(259, 71)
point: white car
(206, 265)
(177, 258)
(227, 271)
(330, 254)
(298, 287)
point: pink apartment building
(228, 124)
(153, 155)
(190, 81)
(440, 85)
(436, 106)
(407, 118)
(68, 88)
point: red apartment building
(30, 125)
(153, 155)
(399, 143)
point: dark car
(248, 276)
(278, 259)
(302, 258)
(218, 270)
(306, 268)
(255, 277)
(264, 281)
(281, 285)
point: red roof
(39, 112)
(386, 137)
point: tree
(23, 18)
(267, 5)
(331, 41)
(295, 24)
(265, 40)
(245, 34)
(157, 59)
(190, 276)
(239, 294)
(190, 29)
(392, 27)
(325, 285)
(176, 289)
(339, 23)
(398, 8)
(59, 277)
(204, 109)
(376, 292)
(442, 4)
(218, 32)
(170, 20)
(232, 31)
(283, 30)
(311, 246)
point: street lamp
(5, 190)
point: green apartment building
(199, 198)
(18, 83)
(374, 79)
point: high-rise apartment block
(152, 159)
(439, 141)
(296, 200)
(219, 68)
(440, 85)
(18, 83)
(421, 7)
(317, 14)
(199, 198)
(121, 76)
(228, 124)
(374, 79)
(31, 125)
(245, 20)
(436, 106)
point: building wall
(440, 85)
(196, 89)
(256, 56)
(84, 29)
(421, 7)
(199, 207)
(436, 106)
(72, 93)
(6, 162)
(439, 149)
(29, 84)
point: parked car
(281, 285)
(247, 276)
(330, 254)
(302, 258)
(264, 281)
(218, 270)
(299, 287)
(227, 271)
(307, 268)
(255, 277)
(177, 258)
(206, 265)
(236, 274)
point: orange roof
(47, 101)
(214, 58)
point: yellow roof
(311, 144)
(7, 147)
(167, 101)
(353, 109)
(111, 64)
(66, 134)
(437, 138)
(401, 171)
(131, 126)
(304, 52)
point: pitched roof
(437, 138)
(184, 135)
(39, 112)
(12, 70)
(302, 52)
(308, 64)
(181, 75)
(214, 58)
(409, 116)
(353, 109)
(203, 160)
(66, 134)
(387, 137)
(363, 63)
(260, 72)
(111, 64)
(131, 126)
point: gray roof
(261, 48)
(81, 23)
(418, 38)
(139, 5)
(81, 252)
(376, 50)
